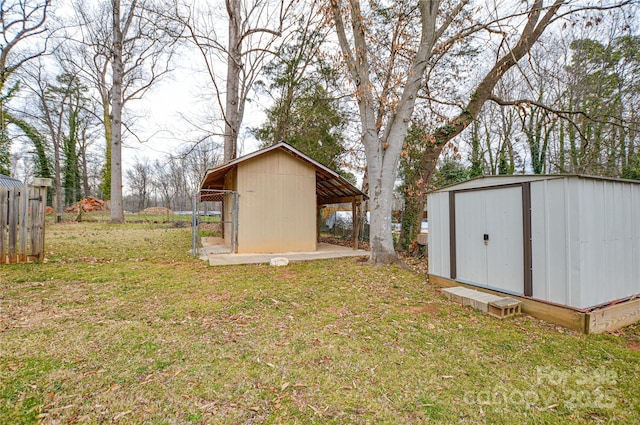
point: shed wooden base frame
(605, 319)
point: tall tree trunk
(105, 187)
(382, 151)
(86, 190)
(232, 102)
(5, 142)
(57, 178)
(117, 208)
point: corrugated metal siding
(555, 237)
(438, 245)
(498, 262)
(471, 223)
(585, 237)
(585, 240)
(609, 241)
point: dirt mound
(89, 204)
(156, 211)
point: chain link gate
(215, 220)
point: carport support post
(194, 226)
(354, 220)
(318, 218)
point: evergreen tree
(305, 114)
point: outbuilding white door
(489, 239)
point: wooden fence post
(23, 214)
(38, 207)
(22, 218)
(13, 224)
(4, 204)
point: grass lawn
(121, 325)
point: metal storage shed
(280, 191)
(570, 241)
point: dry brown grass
(121, 325)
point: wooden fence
(22, 213)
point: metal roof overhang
(6, 181)
(331, 188)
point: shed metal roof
(499, 180)
(331, 187)
(6, 181)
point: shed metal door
(489, 245)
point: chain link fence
(338, 223)
(215, 221)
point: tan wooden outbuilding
(280, 193)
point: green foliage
(477, 163)
(415, 144)
(311, 124)
(68, 97)
(105, 174)
(412, 188)
(504, 165)
(603, 83)
(5, 153)
(304, 114)
(632, 170)
(43, 165)
(450, 172)
(5, 139)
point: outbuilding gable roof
(331, 187)
(6, 181)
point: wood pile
(89, 204)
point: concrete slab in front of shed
(324, 251)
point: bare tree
(197, 159)
(394, 55)
(575, 107)
(140, 177)
(50, 107)
(253, 27)
(123, 49)
(22, 27)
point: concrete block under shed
(481, 301)
(504, 307)
(495, 305)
